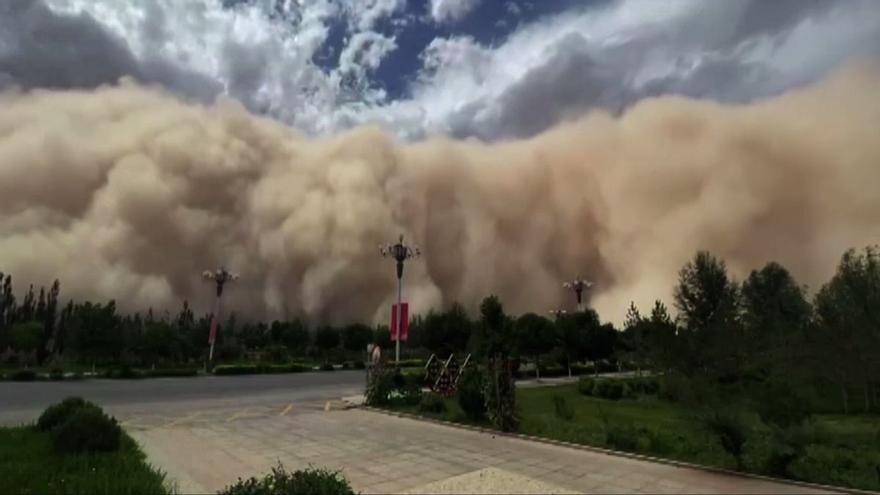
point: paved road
(23, 401)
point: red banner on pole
(213, 333)
(404, 322)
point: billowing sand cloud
(125, 192)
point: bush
(236, 369)
(609, 389)
(586, 385)
(630, 390)
(77, 375)
(359, 365)
(379, 386)
(327, 367)
(303, 482)
(650, 386)
(562, 408)
(59, 413)
(673, 388)
(87, 430)
(432, 403)
(781, 406)
(23, 376)
(470, 394)
(170, 372)
(56, 374)
(277, 353)
(622, 438)
(731, 433)
(124, 372)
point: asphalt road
(23, 401)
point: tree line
(764, 329)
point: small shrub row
(432, 403)
(23, 376)
(606, 389)
(304, 482)
(129, 373)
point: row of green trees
(765, 328)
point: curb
(618, 453)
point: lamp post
(400, 252)
(220, 277)
(578, 285)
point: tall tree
(49, 317)
(535, 335)
(775, 316)
(327, 339)
(848, 315)
(707, 301)
(356, 336)
(447, 332)
(661, 337)
(497, 342)
(28, 306)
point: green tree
(327, 339)
(571, 336)
(447, 332)
(535, 335)
(25, 338)
(356, 336)
(295, 336)
(661, 338)
(382, 337)
(707, 301)
(497, 342)
(848, 319)
(775, 316)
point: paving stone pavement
(379, 453)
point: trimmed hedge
(88, 429)
(23, 376)
(57, 414)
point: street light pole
(400, 252)
(220, 277)
(578, 285)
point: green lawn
(843, 450)
(28, 465)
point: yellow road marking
(286, 409)
(241, 414)
(180, 420)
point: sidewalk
(379, 453)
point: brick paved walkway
(383, 454)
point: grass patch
(29, 464)
(841, 450)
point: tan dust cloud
(127, 193)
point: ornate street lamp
(578, 285)
(220, 277)
(400, 252)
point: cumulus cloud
(451, 10)
(129, 193)
(605, 55)
(611, 57)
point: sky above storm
(491, 69)
(519, 144)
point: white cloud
(364, 14)
(451, 10)
(548, 69)
(363, 54)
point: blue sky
(490, 69)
